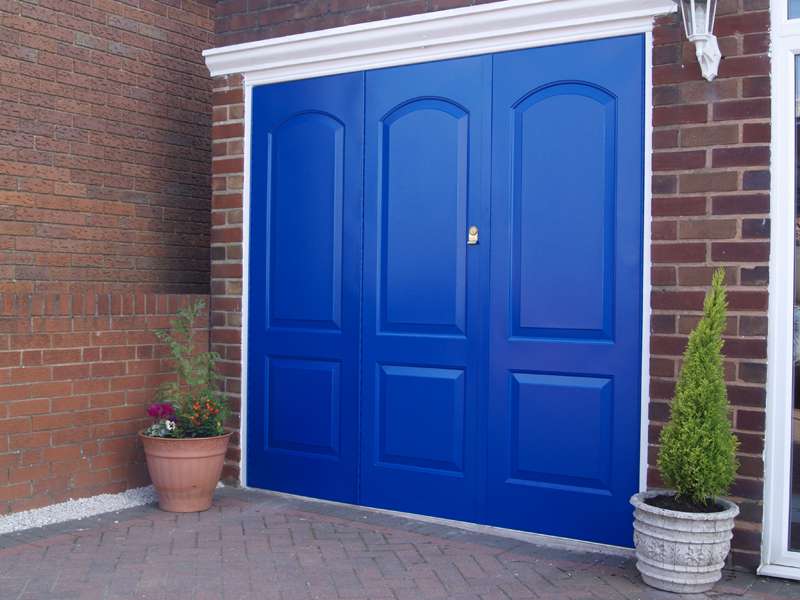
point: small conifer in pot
(698, 449)
(682, 535)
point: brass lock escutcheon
(472, 236)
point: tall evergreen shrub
(698, 449)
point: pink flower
(161, 410)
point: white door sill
(781, 571)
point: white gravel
(77, 509)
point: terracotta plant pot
(185, 472)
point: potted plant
(186, 444)
(682, 536)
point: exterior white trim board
(474, 30)
(647, 286)
(779, 571)
(243, 413)
(776, 558)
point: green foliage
(698, 449)
(200, 408)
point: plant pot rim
(196, 439)
(638, 501)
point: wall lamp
(698, 20)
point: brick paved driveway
(260, 546)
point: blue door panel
(426, 181)
(565, 300)
(305, 240)
(546, 148)
(297, 389)
(305, 221)
(543, 412)
(423, 174)
(435, 399)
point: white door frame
(776, 559)
(475, 30)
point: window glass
(794, 507)
(794, 9)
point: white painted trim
(636, 17)
(538, 539)
(779, 571)
(482, 29)
(776, 559)
(646, 259)
(782, 25)
(248, 102)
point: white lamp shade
(698, 19)
(698, 16)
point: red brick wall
(243, 21)
(104, 145)
(226, 244)
(76, 373)
(711, 208)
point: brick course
(104, 145)
(226, 245)
(241, 21)
(76, 373)
(710, 206)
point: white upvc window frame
(776, 558)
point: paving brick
(260, 546)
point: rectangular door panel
(434, 400)
(426, 181)
(304, 284)
(304, 399)
(545, 410)
(424, 151)
(565, 296)
(567, 209)
(305, 279)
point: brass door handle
(472, 236)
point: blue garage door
(305, 277)
(445, 292)
(427, 175)
(565, 308)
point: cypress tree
(698, 449)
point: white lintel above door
(487, 28)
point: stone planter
(185, 472)
(679, 551)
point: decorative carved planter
(185, 472)
(679, 551)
